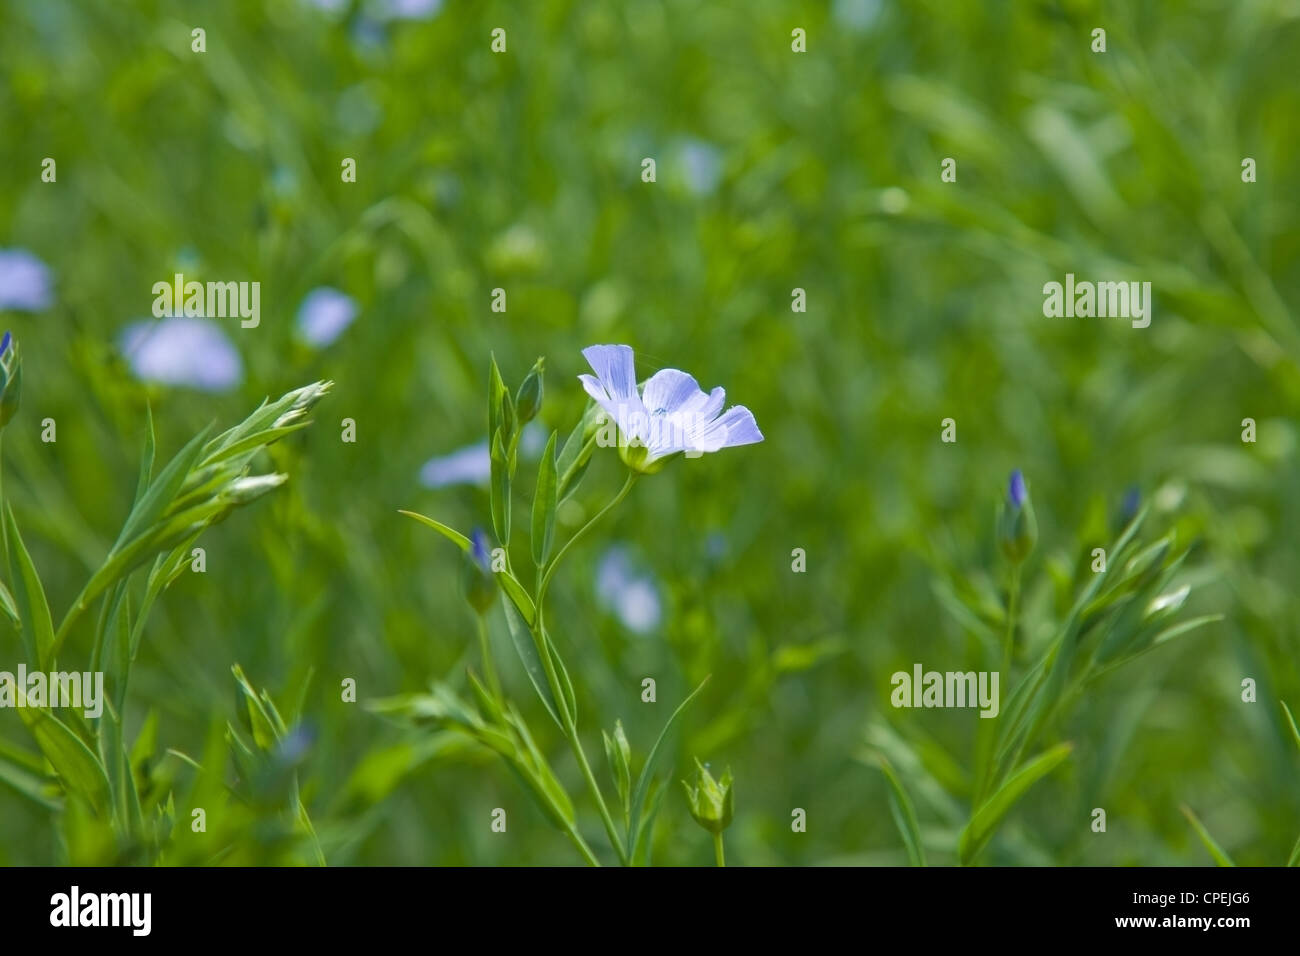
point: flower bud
(528, 400)
(712, 802)
(480, 582)
(304, 399)
(1128, 509)
(11, 379)
(1017, 529)
(251, 487)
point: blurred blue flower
(324, 315)
(472, 465)
(1016, 489)
(184, 351)
(24, 282)
(702, 164)
(480, 581)
(632, 597)
(294, 748)
(1129, 507)
(408, 9)
(858, 15)
(478, 551)
(715, 546)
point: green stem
(987, 737)
(543, 650)
(610, 829)
(489, 668)
(582, 846)
(577, 536)
(717, 849)
(1008, 643)
(571, 734)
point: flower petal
(735, 427)
(707, 406)
(741, 427)
(628, 414)
(669, 389)
(615, 368)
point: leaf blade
(984, 822)
(647, 772)
(451, 534)
(544, 504)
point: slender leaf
(1290, 719)
(647, 772)
(26, 783)
(523, 603)
(499, 496)
(74, 762)
(146, 458)
(450, 534)
(544, 503)
(9, 606)
(1220, 856)
(900, 806)
(985, 821)
(36, 607)
(522, 639)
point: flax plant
(1124, 602)
(667, 418)
(85, 771)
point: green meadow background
(776, 171)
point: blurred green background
(776, 170)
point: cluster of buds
(712, 802)
(201, 485)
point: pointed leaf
(451, 534)
(1290, 719)
(984, 823)
(900, 806)
(647, 771)
(522, 639)
(36, 610)
(1221, 858)
(9, 606)
(544, 503)
(74, 762)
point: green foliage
(817, 171)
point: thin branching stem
(569, 725)
(489, 666)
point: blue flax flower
(669, 416)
